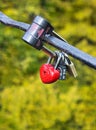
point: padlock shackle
(53, 40)
(48, 52)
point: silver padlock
(71, 68)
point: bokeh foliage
(26, 103)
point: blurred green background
(25, 102)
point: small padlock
(62, 69)
(48, 73)
(71, 68)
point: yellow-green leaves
(25, 102)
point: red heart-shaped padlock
(49, 74)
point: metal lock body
(72, 70)
(70, 67)
(36, 31)
(48, 73)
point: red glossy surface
(49, 74)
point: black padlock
(60, 64)
(36, 32)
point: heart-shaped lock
(48, 73)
